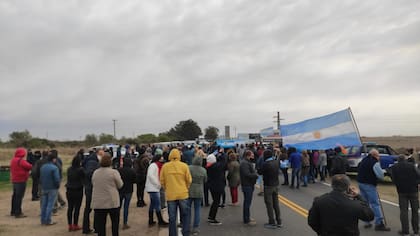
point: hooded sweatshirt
(175, 177)
(199, 177)
(19, 167)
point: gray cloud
(70, 68)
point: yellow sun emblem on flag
(317, 134)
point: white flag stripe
(336, 130)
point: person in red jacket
(19, 171)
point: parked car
(355, 154)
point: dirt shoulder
(31, 225)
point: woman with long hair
(74, 193)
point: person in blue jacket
(50, 182)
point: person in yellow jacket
(175, 178)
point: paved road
(294, 205)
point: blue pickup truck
(356, 153)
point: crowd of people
(180, 177)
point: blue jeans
(48, 200)
(369, 192)
(154, 201)
(184, 212)
(126, 197)
(197, 207)
(248, 191)
(295, 174)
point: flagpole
(355, 125)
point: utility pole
(115, 136)
(278, 122)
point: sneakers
(270, 226)
(251, 223)
(214, 222)
(195, 231)
(51, 223)
(382, 227)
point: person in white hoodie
(153, 188)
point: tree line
(184, 130)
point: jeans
(271, 201)
(197, 207)
(248, 191)
(74, 199)
(369, 193)
(154, 201)
(295, 174)
(323, 172)
(184, 212)
(48, 200)
(285, 175)
(126, 197)
(413, 199)
(17, 197)
(100, 220)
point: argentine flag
(336, 129)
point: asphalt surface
(294, 205)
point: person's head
(100, 153)
(340, 182)
(52, 157)
(374, 153)
(232, 156)
(106, 160)
(158, 155)
(337, 150)
(267, 154)
(175, 154)
(20, 152)
(249, 155)
(75, 163)
(402, 158)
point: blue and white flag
(267, 132)
(336, 129)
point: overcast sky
(67, 68)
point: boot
(151, 222)
(160, 219)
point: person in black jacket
(248, 179)
(90, 165)
(74, 193)
(35, 180)
(406, 178)
(216, 182)
(128, 176)
(338, 212)
(270, 172)
(339, 164)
